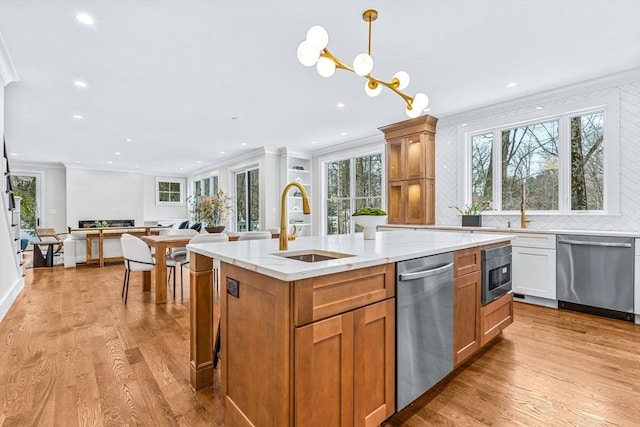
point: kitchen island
(307, 342)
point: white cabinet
(296, 167)
(534, 265)
(534, 272)
(636, 291)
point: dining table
(161, 243)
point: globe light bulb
(403, 79)
(420, 102)
(363, 64)
(308, 53)
(326, 67)
(372, 88)
(318, 36)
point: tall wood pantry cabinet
(411, 173)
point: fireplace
(94, 223)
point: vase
(471, 221)
(369, 223)
(214, 228)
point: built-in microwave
(496, 272)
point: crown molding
(614, 79)
(254, 153)
(7, 71)
(367, 140)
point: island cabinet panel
(466, 320)
(466, 261)
(496, 316)
(344, 373)
(256, 349)
(324, 372)
(320, 297)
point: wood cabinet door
(396, 207)
(324, 372)
(395, 159)
(466, 316)
(374, 363)
(415, 156)
(415, 195)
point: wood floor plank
(72, 354)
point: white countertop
(389, 246)
(516, 230)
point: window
(352, 184)
(206, 186)
(247, 200)
(169, 191)
(556, 164)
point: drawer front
(547, 241)
(321, 297)
(466, 261)
(496, 316)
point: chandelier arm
(339, 64)
(408, 99)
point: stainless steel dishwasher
(424, 325)
(594, 274)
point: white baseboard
(10, 297)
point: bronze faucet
(284, 238)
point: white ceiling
(171, 75)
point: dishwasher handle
(424, 273)
(603, 244)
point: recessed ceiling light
(313, 142)
(198, 161)
(181, 169)
(78, 116)
(538, 108)
(222, 152)
(512, 84)
(343, 133)
(13, 154)
(85, 18)
(80, 83)
(340, 105)
(137, 167)
(464, 124)
(117, 153)
(128, 140)
(109, 163)
(243, 144)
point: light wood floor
(71, 353)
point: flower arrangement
(476, 208)
(212, 210)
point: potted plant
(369, 219)
(212, 210)
(471, 213)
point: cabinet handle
(605, 244)
(424, 273)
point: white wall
(100, 195)
(450, 149)
(153, 212)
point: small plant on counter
(475, 208)
(370, 211)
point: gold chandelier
(313, 51)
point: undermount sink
(313, 255)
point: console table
(112, 233)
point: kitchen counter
(508, 230)
(391, 246)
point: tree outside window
(170, 191)
(352, 184)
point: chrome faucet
(284, 238)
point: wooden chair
(47, 237)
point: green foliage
(370, 211)
(475, 208)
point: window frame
(351, 156)
(245, 170)
(609, 105)
(183, 185)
